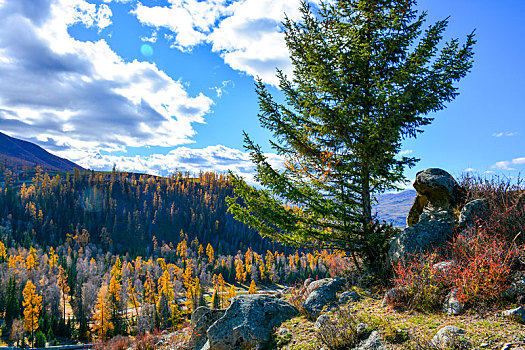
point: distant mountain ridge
(23, 153)
(394, 207)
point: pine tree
(365, 78)
(215, 304)
(32, 306)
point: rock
(348, 296)
(249, 322)
(374, 341)
(394, 296)
(471, 212)
(307, 282)
(517, 287)
(361, 328)
(439, 187)
(452, 306)
(323, 295)
(517, 314)
(202, 318)
(445, 268)
(322, 282)
(417, 208)
(321, 321)
(447, 337)
(429, 226)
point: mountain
(394, 207)
(23, 153)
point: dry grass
(405, 329)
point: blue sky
(160, 85)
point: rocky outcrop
(471, 212)
(394, 296)
(517, 314)
(322, 293)
(349, 296)
(431, 217)
(448, 337)
(452, 305)
(249, 322)
(202, 318)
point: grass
(402, 327)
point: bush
(485, 256)
(340, 332)
(116, 343)
(40, 340)
(484, 265)
(425, 286)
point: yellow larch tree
(32, 306)
(253, 288)
(63, 286)
(53, 258)
(3, 252)
(210, 253)
(132, 295)
(31, 260)
(102, 324)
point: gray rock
(444, 267)
(321, 321)
(322, 282)
(517, 314)
(323, 295)
(434, 222)
(439, 187)
(374, 341)
(447, 337)
(393, 296)
(307, 282)
(361, 328)
(471, 212)
(202, 318)
(249, 322)
(349, 296)
(517, 287)
(452, 306)
(206, 346)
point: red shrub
(484, 266)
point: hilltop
(16, 152)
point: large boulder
(431, 219)
(202, 318)
(322, 293)
(471, 212)
(448, 337)
(249, 322)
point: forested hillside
(123, 212)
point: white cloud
(469, 170)
(507, 134)
(82, 94)
(405, 152)
(151, 39)
(247, 34)
(219, 90)
(217, 158)
(507, 164)
(189, 20)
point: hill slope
(23, 153)
(394, 207)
